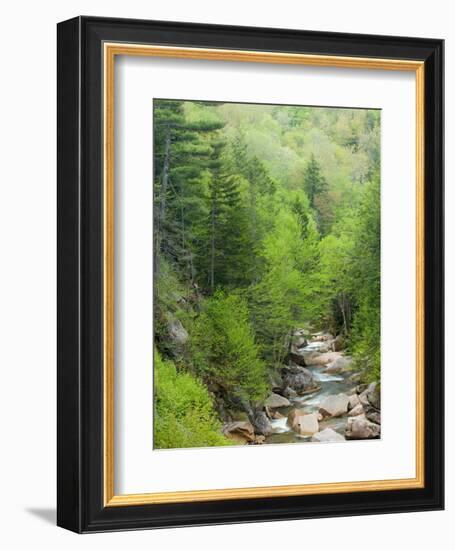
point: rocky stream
(316, 397)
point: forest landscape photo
(266, 274)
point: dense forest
(266, 273)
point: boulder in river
(306, 424)
(341, 364)
(242, 432)
(297, 357)
(359, 427)
(289, 392)
(299, 341)
(353, 401)
(371, 396)
(338, 343)
(374, 416)
(298, 379)
(360, 388)
(374, 395)
(308, 356)
(355, 411)
(293, 417)
(334, 405)
(324, 359)
(364, 399)
(274, 401)
(261, 423)
(327, 435)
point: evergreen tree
(316, 188)
(313, 180)
(224, 199)
(181, 155)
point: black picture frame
(80, 474)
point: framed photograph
(250, 274)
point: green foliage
(223, 255)
(224, 349)
(286, 296)
(335, 275)
(184, 415)
(366, 282)
(267, 219)
(167, 293)
(181, 158)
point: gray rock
(261, 424)
(341, 364)
(364, 399)
(334, 405)
(298, 379)
(371, 397)
(374, 416)
(297, 356)
(275, 401)
(374, 395)
(361, 388)
(359, 427)
(177, 332)
(299, 341)
(289, 392)
(327, 435)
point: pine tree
(181, 155)
(314, 182)
(225, 246)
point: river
(330, 384)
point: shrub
(184, 415)
(224, 350)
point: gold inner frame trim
(110, 50)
